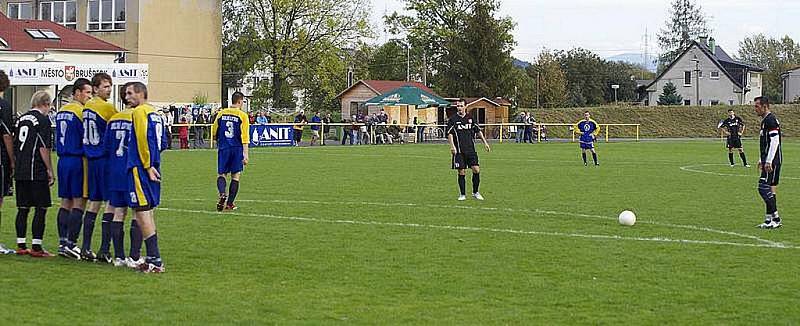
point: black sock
(88, 229)
(730, 158)
(105, 232)
(744, 158)
(38, 227)
(136, 240)
(221, 184)
(583, 154)
(462, 184)
(61, 219)
(153, 254)
(75, 219)
(476, 182)
(22, 226)
(594, 157)
(233, 191)
(117, 234)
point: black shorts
(33, 194)
(463, 161)
(734, 142)
(771, 178)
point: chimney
(712, 45)
(704, 40)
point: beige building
(180, 40)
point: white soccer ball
(627, 218)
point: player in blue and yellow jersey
(588, 129)
(116, 141)
(231, 130)
(144, 176)
(96, 114)
(72, 184)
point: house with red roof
(354, 98)
(41, 41)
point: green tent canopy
(408, 95)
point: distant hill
(521, 64)
(636, 58)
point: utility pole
(424, 67)
(537, 88)
(408, 62)
(646, 59)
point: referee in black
(461, 131)
(734, 127)
(34, 173)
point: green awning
(408, 95)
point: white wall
(720, 89)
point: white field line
(510, 210)
(694, 169)
(482, 229)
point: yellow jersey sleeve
(245, 127)
(140, 125)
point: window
(715, 74)
(61, 12)
(106, 15)
(714, 102)
(479, 115)
(3, 44)
(35, 33)
(42, 34)
(687, 102)
(20, 10)
(700, 73)
(687, 78)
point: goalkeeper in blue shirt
(588, 129)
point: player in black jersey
(461, 131)
(34, 173)
(734, 127)
(6, 148)
(769, 162)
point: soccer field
(374, 235)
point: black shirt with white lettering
(463, 130)
(33, 133)
(734, 126)
(770, 127)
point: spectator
(200, 130)
(315, 127)
(394, 133)
(170, 120)
(420, 130)
(529, 122)
(261, 119)
(520, 129)
(268, 116)
(183, 133)
(354, 129)
(300, 122)
(327, 120)
(346, 133)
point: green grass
(373, 235)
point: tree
(670, 95)
(389, 62)
(480, 56)
(585, 73)
(428, 25)
(776, 56)
(552, 84)
(687, 22)
(280, 36)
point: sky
(611, 27)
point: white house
(705, 75)
(791, 86)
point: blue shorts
(72, 182)
(143, 194)
(97, 179)
(229, 160)
(587, 145)
(118, 198)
